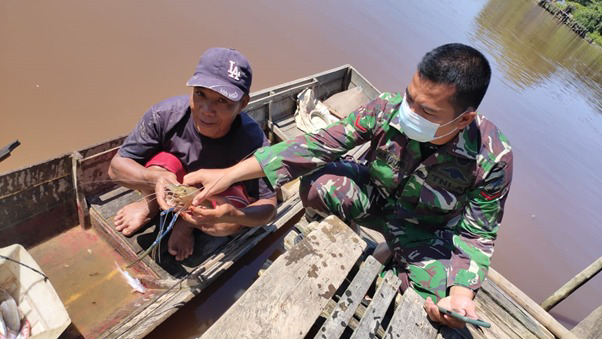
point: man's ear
(467, 118)
(244, 101)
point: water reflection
(546, 95)
(531, 49)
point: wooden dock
(563, 17)
(325, 287)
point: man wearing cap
(206, 130)
(435, 182)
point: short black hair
(461, 66)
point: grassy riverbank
(588, 13)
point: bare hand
(162, 180)
(214, 181)
(461, 304)
(215, 221)
(221, 212)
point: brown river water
(75, 73)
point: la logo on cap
(234, 71)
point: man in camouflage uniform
(435, 182)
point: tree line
(588, 13)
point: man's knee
(310, 194)
(307, 190)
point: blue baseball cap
(225, 71)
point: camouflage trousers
(344, 189)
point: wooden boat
(61, 211)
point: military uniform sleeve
(265, 191)
(477, 230)
(145, 140)
(290, 159)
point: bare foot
(181, 240)
(132, 217)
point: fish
(3, 328)
(25, 330)
(134, 283)
(11, 320)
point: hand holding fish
(163, 181)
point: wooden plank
(410, 319)
(94, 178)
(288, 190)
(591, 326)
(83, 209)
(345, 308)
(181, 291)
(37, 228)
(372, 319)
(529, 305)
(286, 300)
(497, 308)
(499, 313)
(507, 318)
(26, 178)
(38, 199)
(101, 147)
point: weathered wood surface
(83, 209)
(33, 190)
(345, 308)
(508, 319)
(179, 292)
(94, 172)
(286, 300)
(37, 189)
(101, 147)
(373, 318)
(40, 227)
(409, 319)
(529, 305)
(38, 199)
(591, 326)
(26, 178)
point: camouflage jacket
(460, 189)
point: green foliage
(590, 17)
(596, 37)
(583, 2)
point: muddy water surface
(74, 73)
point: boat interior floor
(103, 211)
(82, 269)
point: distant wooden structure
(314, 290)
(563, 17)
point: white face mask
(418, 128)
